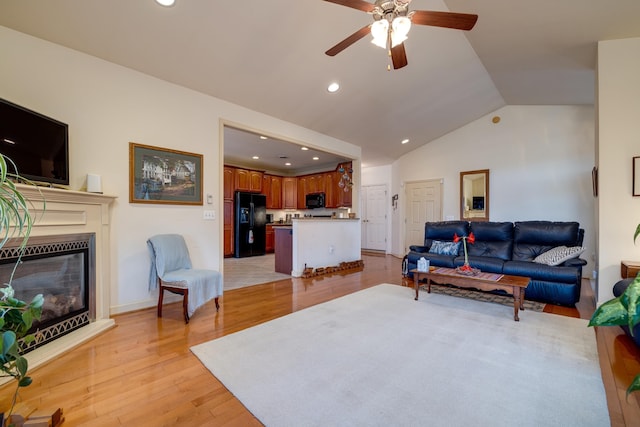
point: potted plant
(16, 316)
(623, 310)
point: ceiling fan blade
(398, 56)
(457, 21)
(349, 41)
(355, 4)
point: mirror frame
(485, 217)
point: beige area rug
(241, 272)
(379, 358)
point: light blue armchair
(171, 271)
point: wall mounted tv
(38, 145)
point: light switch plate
(209, 215)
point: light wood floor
(141, 373)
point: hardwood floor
(141, 373)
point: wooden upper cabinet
(303, 189)
(316, 183)
(248, 180)
(272, 188)
(242, 180)
(255, 181)
(330, 191)
(289, 192)
(229, 183)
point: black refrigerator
(250, 224)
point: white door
(424, 203)
(374, 217)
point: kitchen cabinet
(302, 192)
(283, 249)
(229, 182)
(270, 239)
(290, 192)
(272, 188)
(228, 228)
(248, 180)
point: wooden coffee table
(513, 285)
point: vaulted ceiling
(269, 56)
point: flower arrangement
(466, 268)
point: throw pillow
(558, 255)
(444, 248)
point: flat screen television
(478, 203)
(37, 144)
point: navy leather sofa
(510, 248)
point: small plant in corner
(16, 316)
(623, 310)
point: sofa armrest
(421, 249)
(575, 262)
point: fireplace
(62, 269)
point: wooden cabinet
(228, 228)
(272, 188)
(229, 182)
(248, 180)
(302, 192)
(284, 249)
(343, 198)
(330, 191)
(629, 269)
(289, 192)
(270, 239)
(242, 180)
(255, 181)
(315, 183)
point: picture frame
(636, 176)
(164, 176)
(594, 180)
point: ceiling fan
(391, 23)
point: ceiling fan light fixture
(400, 29)
(380, 31)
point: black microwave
(315, 200)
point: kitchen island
(323, 242)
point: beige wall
(618, 141)
(106, 107)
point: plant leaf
(25, 382)
(611, 313)
(634, 386)
(8, 341)
(635, 235)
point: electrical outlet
(209, 215)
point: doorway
(424, 204)
(374, 217)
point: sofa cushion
(444, 231)
(444, 248)
(544, 272)
(492, 239)
(532, 238)
(558, 255)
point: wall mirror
(474, 195)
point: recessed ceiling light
(166, 3)
(404, 141)
(263, 137)
(255, 157)
(316, 158)
(304, 148)
(288, 164)
(333, 87)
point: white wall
(106, 107)
(618, 142)
(540, 160)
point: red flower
(456, 238)
(471, 238)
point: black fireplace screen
(59, 270)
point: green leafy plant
(16, 316)
(622, 311)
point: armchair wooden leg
(217, 304)
(185, 303)
(160, 297)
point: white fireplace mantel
(59, 212)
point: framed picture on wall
(164, 176)
(636, 176)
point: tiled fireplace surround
(73, 212)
